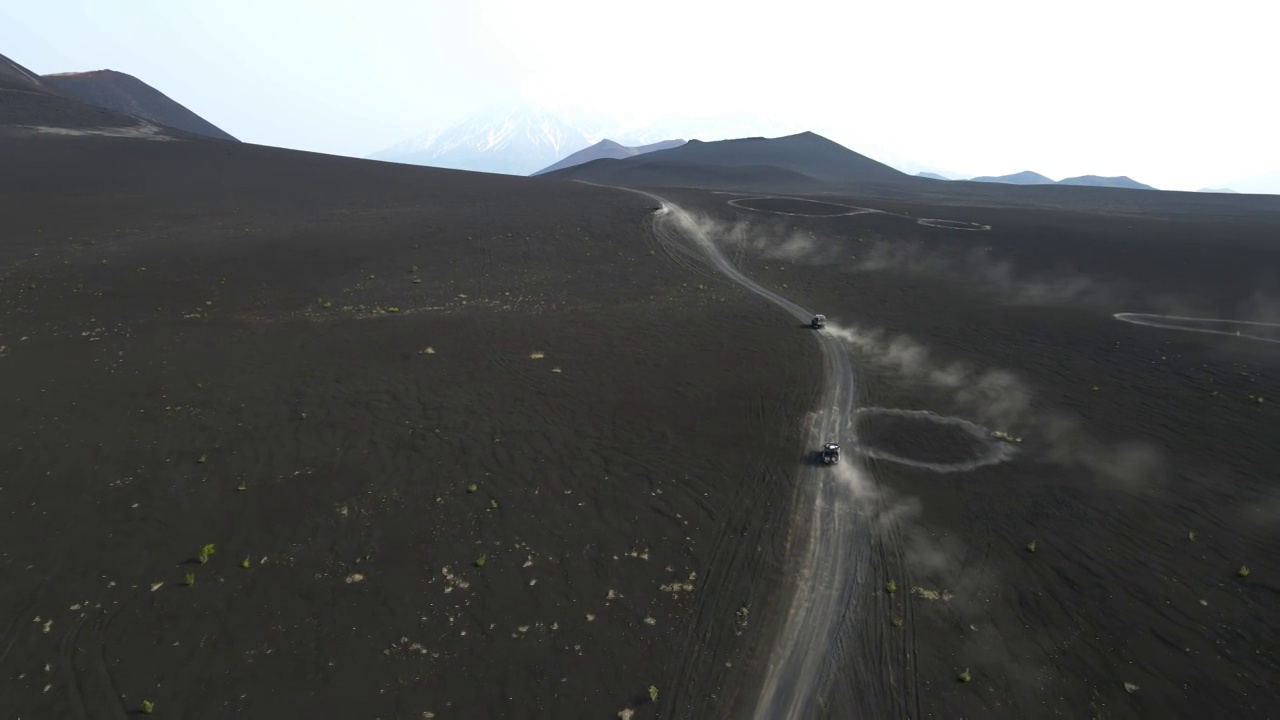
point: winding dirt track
(831, 555)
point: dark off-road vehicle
(818, 322)
(830, 454)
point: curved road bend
(832, 557)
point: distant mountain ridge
(1264, 184)
(1119, 181)
(804, 161)
(608, 149)
(127, 94)
(1027, 177)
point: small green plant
(493, 504)
(393, 309)
(326, 304)
(897, 622)
(964, 676)
(242, 486)
(148, 707)
(245, 563)
(202, 458)
(191, 579)
(480, 561)
(1243, 571)
(205, 552)
(891, 587)
(653, 693)
(413, 269)
(1031, 546)
(472, 488)
(1191, 536)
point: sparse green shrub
(148, 707)
(205, 552)
(964, 676)
(245, 563)
(1031, 546)
(202, 458)
(1243, 571)
(891, 586)
(653, 693)
(191, 579)
(480, 561)
(472, 488)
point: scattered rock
(927, 594)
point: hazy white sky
(1177, 94)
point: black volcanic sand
(1147, 476)
(794, 206)
(365, 380)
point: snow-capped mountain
(521, 137)
(508, 138)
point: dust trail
(978, 267)
(1000, 399)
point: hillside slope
(127, 94)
